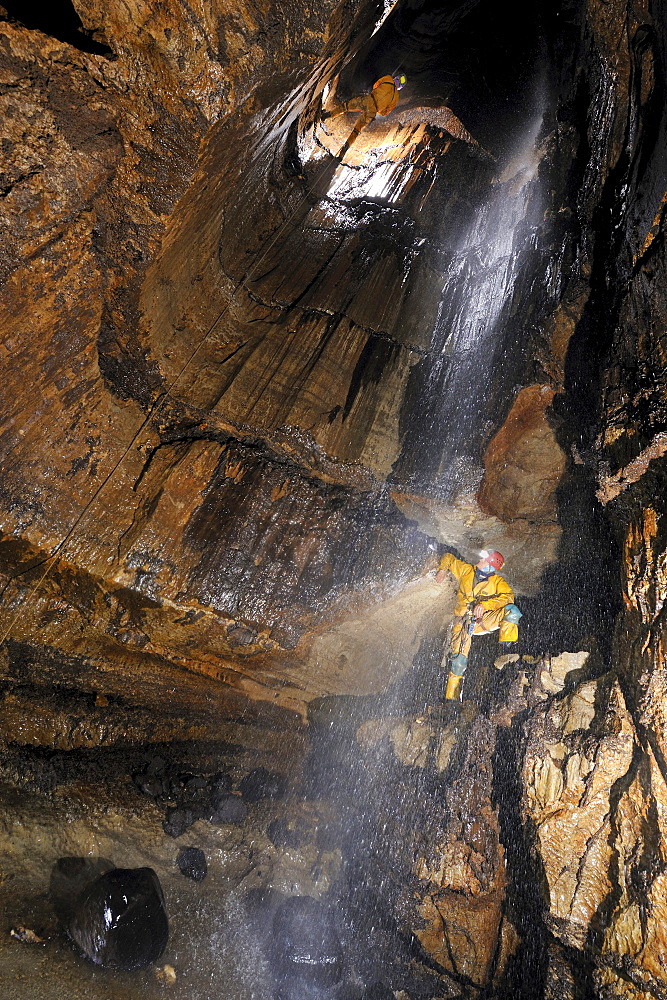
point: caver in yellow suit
(382, 99)
(489, 592)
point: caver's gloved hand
(432, 562)
(443, 550)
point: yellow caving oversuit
(381, 101)
(494, 594)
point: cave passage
(475, 56)
(262, 380)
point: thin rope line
(155, 409)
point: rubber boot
(454, 685)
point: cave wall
(189, 352)
(593, 761)
(126, 154)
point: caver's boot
(454, 685)
(457, 668)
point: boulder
(227, 808)
(119, 921)
(306, 945)
(192, 863)
(524, 463)
(262, 784)
(178, 821)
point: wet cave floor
(401, 816)
(110, 819)
(311, 839)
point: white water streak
(487, 258)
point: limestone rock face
(594, 798)
(134, 522)
(524, 463)
(465, 869)
(217, 336)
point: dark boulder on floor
(262, 784)
(192, 863)
(227, 808)
(305, 942)
(178, 821)
(120, 920)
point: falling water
(479, 298)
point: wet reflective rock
(192, 863)
(305, 942)
(282, 833)
(120, 921)
(178, 821)
(262, 784)
(227, 808)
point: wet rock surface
(190, 797)
(191, 862)
(262, 784)
(305, 942)
(120, 921)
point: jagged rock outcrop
(523, 463)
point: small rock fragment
(192, 863)
(262, 784)
(166, 975)
(196, 783)
(26, 936)
(178, 821)
(148, 785)
(155, 766)
(221, 782)
(228, 808)
(502, 661)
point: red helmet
(493, 558)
